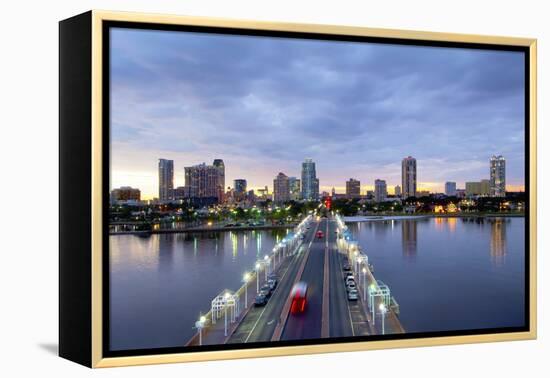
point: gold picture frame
(93, 25)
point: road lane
(260, 322)
(340, 316)
(307, 325)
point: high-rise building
(202, 181)
(353, 188)
(240, 186)
(125, 193)
(219, 164)
(450, 188)
(310, 182)
(166, 179)
(497, 177)
(408, 177)
(380, 190)
(294, 185)
(281, 188)
(397, 191)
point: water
(161, 283)
(445, 273)
(450, 273)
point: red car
(320, 234)
(298, 295)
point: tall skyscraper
(281, 188)
(408, 177)
(450, 188)
(202, 181)
(166, 179)
(219, 164)
(380, 190)
(294, 185)
(310, 182)
(353, 188)
(397, 191)
(497, 176)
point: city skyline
(266, 108)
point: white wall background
(28, 185)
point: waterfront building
(461, 193)
(125, 193)
(182, 193)
(353, 188)
(202, 181)
(239, 186)
(473, 188)
(408, 177)
(310, 182)
(497, 176)
(450, 188)
(333, 192)
(166, 180)
(370, 194)
(294, 185)
(219, 164)
(380, 190)
(422, 193)
(281, 188)
(485, 186)
(263, 194)
(397, 191)
(478, 188)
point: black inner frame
(106, 89)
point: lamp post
(227, 295)
(266, 262)
(371, 302)
(258, 266)
(383, 312)
(246, 278)
(200, 325)
(364, 284)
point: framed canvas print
(234, 189)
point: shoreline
(205, 229)
(372, 218)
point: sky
(263, 105)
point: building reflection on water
(498, 241)
(409, 237)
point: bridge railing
(231, 306)
(375, 294)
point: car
(261, 300)
(347, 267)
(353, 295)
(272, 283)
(320, 234)
(299, 297)
(265, 290)
(351, 286)
(349, 279)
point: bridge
(321, 263)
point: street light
(246, 278)
(258, 277)
(382, 308)
(266, 259)
(200, 325)
(371, 302)
(227, 295)
(364, 283)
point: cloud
(356, 109)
